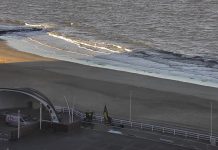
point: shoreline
(106, 65)
(92, 87)
(10, 55)
(179, 86)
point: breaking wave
(41, 25)
(105, 47)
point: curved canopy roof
(38, 96)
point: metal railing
(4, 140)
(143, 126)
(4, 145)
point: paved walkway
(84, 140)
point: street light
(211, 119)
(18, 125)
(130, 106)
(212, 139)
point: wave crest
(105, 47)
(41, 25)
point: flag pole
(68, 109)
(73, 110)
(40, 117)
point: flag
(105, 113)
(107, 118)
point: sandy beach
(12, 56)
(90, 88)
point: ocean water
(164, 38)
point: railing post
(141, 125)
(174, 132)
(152, 128)
(163, 130)
(212, 141)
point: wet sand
(90, 88)
(8, 55)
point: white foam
(42, 25)
(79, 43)
(33, 25)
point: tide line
(86, 44)
(60, 49)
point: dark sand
(90, 88)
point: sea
(172, 39)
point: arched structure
(37, 96)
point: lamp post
(130, 106)
(18, 125)
(211, 119)
(212, 139)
